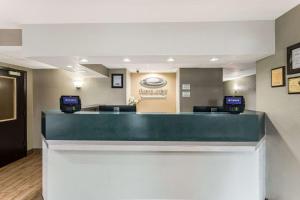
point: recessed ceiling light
(126, 60)
(84, 60)
(171, 59)
(214, 59)
(69, 66)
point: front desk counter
(210, 156)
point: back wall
(49, 85)
(167, 104)
(206, 87)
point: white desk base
(91, 170)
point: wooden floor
(22, 180)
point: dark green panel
(248, 126)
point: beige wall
(247, 88)
(283, 111)
(167, 104)
(206, 87)
(50, 84)
(29, 102)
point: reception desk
(213, 156)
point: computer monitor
(70, 104)
(234, 104)
(117, 108)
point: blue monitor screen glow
(70, 100)
(234, 101)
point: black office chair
(119, 108)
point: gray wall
(283, 111)
(50, 84)
(206, 87)
(247, 88)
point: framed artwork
(278, 77)
(117, 80)
(293, 59)
(294, 85)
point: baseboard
(30, 151)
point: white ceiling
(234, 66)
(14, 13)
(14, 55)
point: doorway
(13, 134)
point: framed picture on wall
(117, 80)
(294, 85)
(293, 59)
(278, 77)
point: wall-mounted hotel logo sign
(153, 88)
(153, 82)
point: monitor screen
(70, 100)
(234, 101)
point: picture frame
(293, 59)
(278, 77)
(294, 85)
(117, 80)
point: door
(13, 143)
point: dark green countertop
(245, 127)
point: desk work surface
(211, 127)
